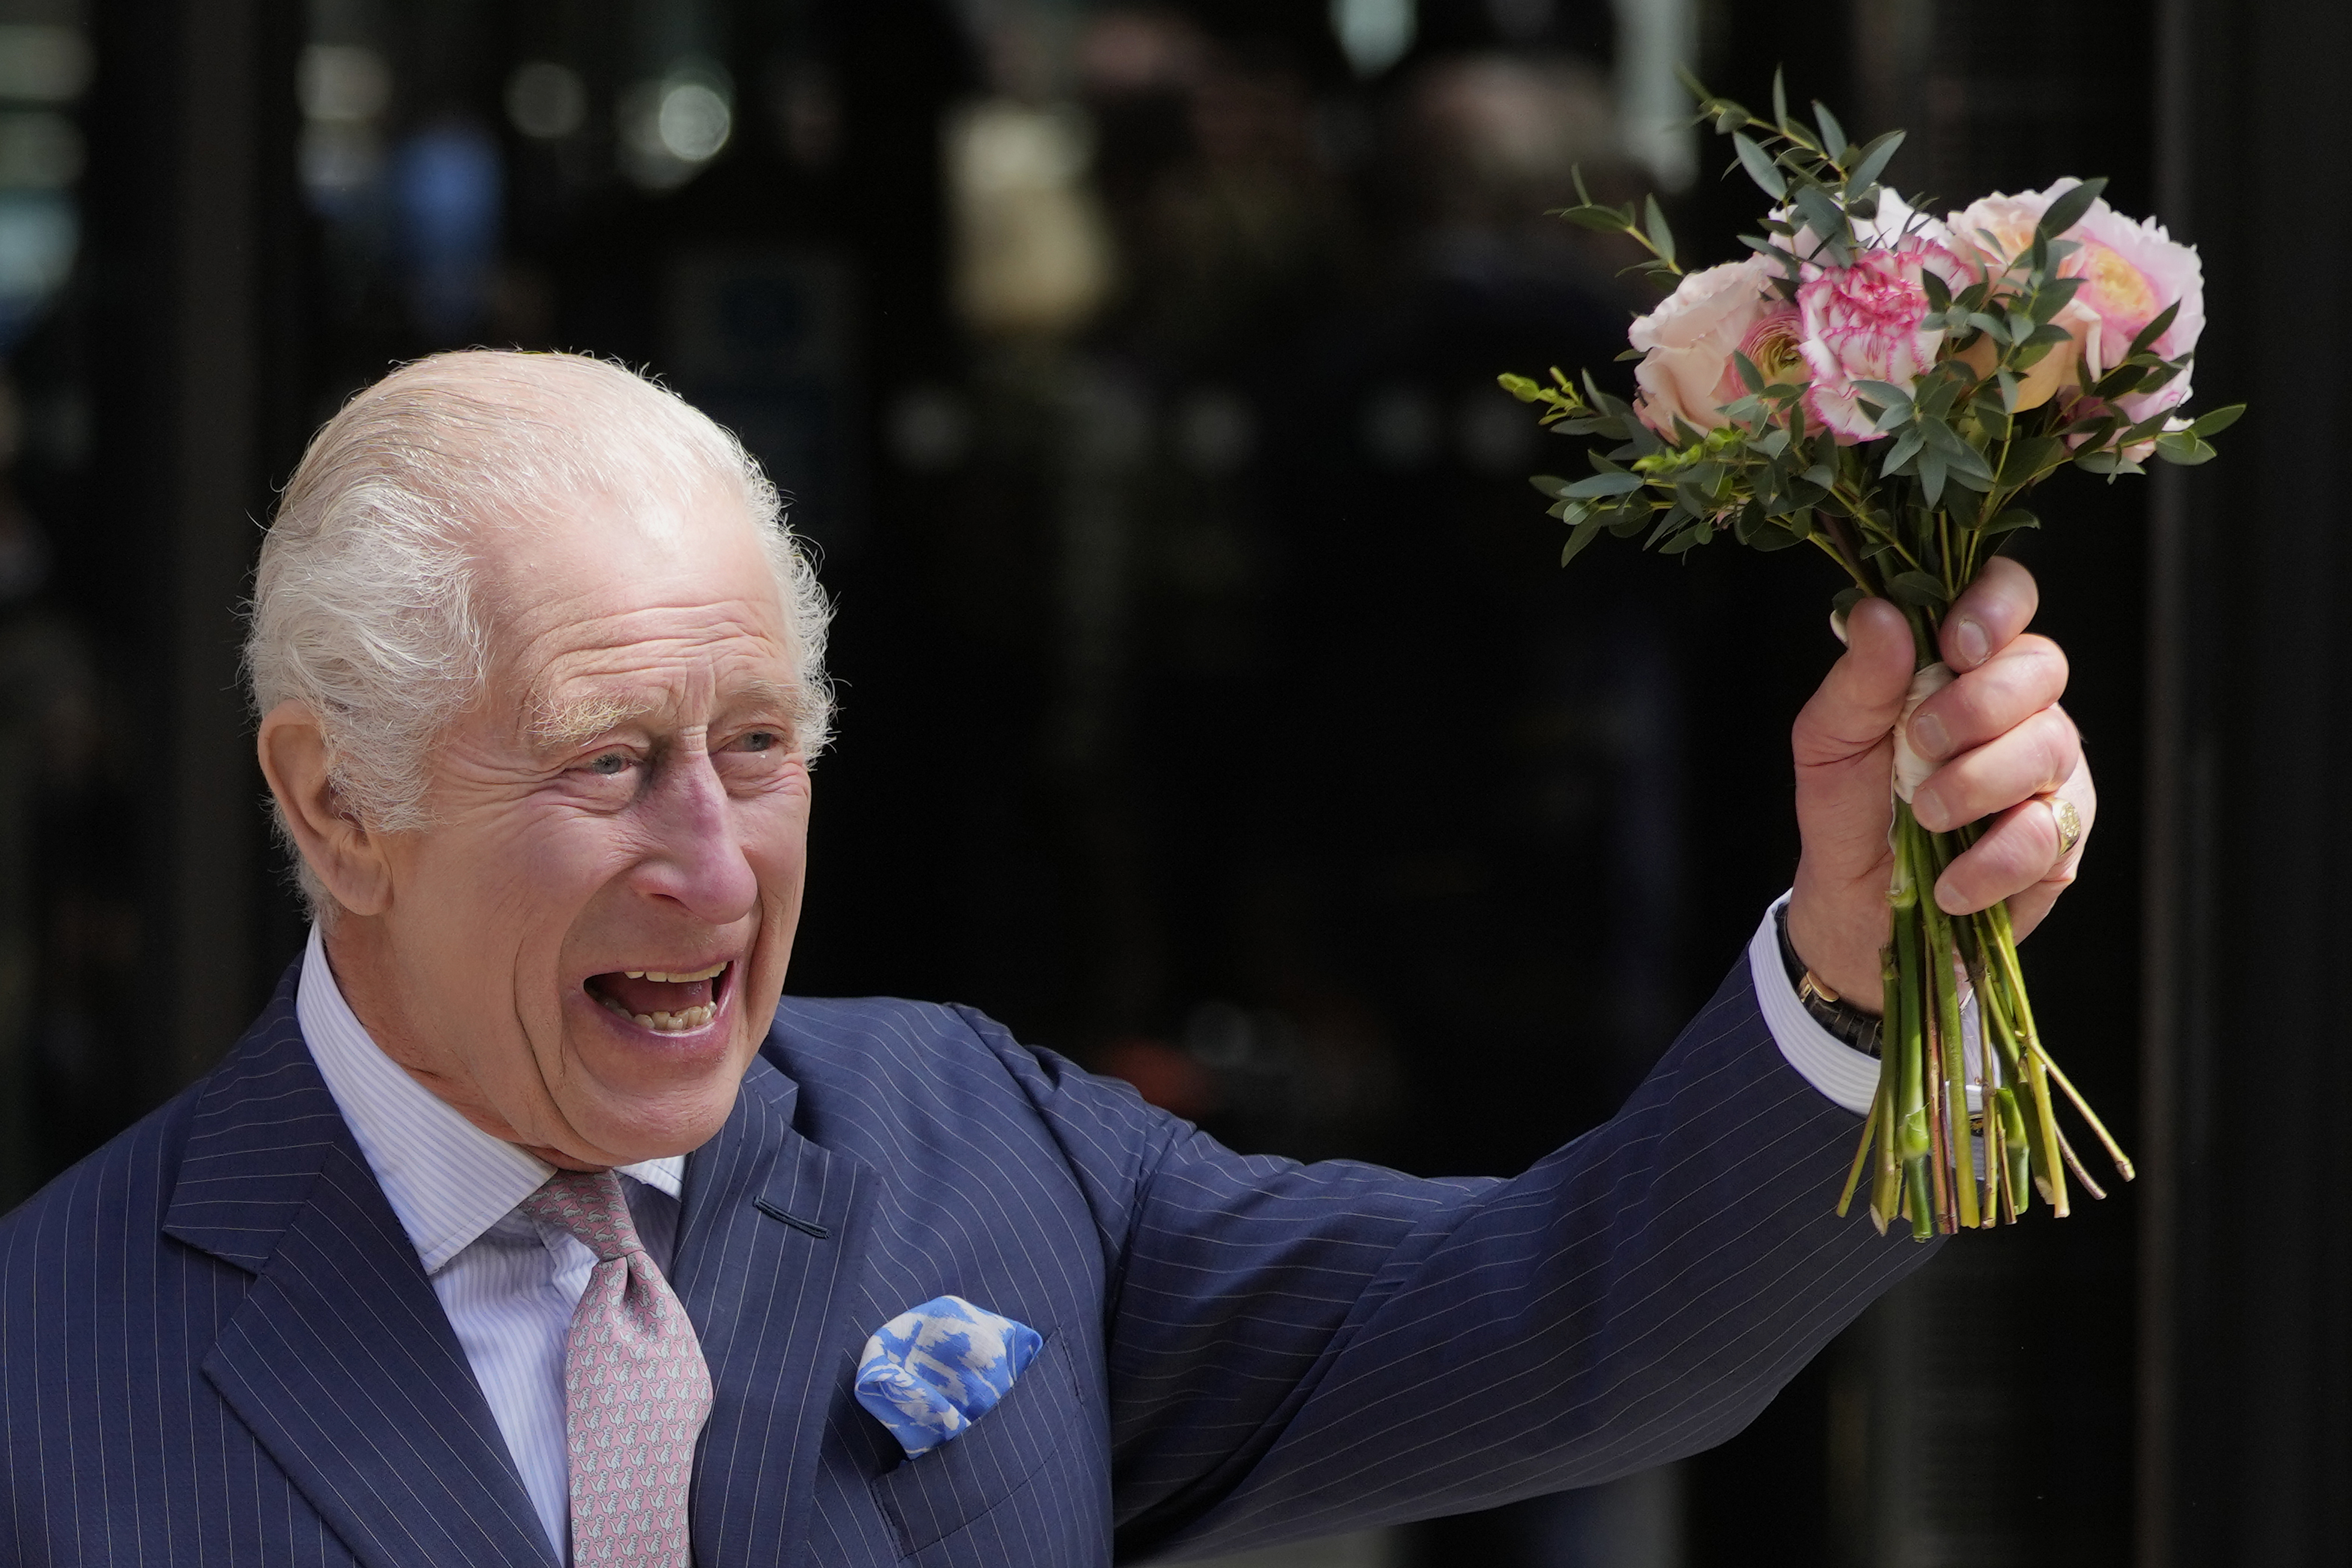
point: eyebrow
(575, 723)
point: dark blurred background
(1212, 710)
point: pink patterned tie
(634, 1386)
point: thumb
(1858, 703)
(1844, 746)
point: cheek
(773, 827)
(519, 876)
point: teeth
(676, 978)
(677, 1023)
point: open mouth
(665, 1000)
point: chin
(660, 1086)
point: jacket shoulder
(113, 1199)
(895, 1059)
(888, 1049)
(894, 1081)
(117, 1196)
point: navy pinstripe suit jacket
(218, 1346)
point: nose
(696, 858)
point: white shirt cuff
(1848, 1078)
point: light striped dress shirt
(509, 1285)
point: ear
(341, 850)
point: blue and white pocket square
(934, 1370)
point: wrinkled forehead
(598, 599)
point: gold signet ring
(2069, 823)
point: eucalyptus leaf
(1873, 162)
(1759, 166)
(1931, 475)
(1584, 533)
(1916, 589)
(2155, 328)
(1608, 484)
(1662, 238)
(1601, 220)
(2068, 209)
(1885, 393)
(1827, 219)
(2009, 521)
(2219, 420)
(1833, 141)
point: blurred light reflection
(43, 62)
(1373, 34)
(673, 126)
(448, 185)
(546, 102)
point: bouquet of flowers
(1888, 388)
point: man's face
(587, 946)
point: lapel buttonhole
(807, 1226)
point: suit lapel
(340, 1359)
(766, 1247)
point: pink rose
(1687, 371)
(1863, 322)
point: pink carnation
(1862, 323)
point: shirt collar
(447, 1181)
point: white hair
(366, 605)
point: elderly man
(531, 1223)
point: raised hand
(2005, 750)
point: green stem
(1931, 856)
(1887, 1183)
(1861, 1157)
(1908, 1064)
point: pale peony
(1687, 371)
(1863, 323)
(2066, 368)
(2130, 272)
(1994, 231)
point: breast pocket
(996, 1460)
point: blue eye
(761, 740)
(610, 764)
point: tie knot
(589, 1207)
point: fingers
(2023, 856)
(1985, 619)
(2033, 758)
(2020, 681)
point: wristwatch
(1848, 1024)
